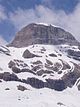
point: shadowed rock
(21, 88)
(6, 76)
(28, 54)
(52, 55)
(58, 85)
(34, 82)
(5, 50)
(78, 87)
(74, 54)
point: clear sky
(15, 14)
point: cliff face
(41, 34)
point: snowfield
(11, 96)
(37, 97)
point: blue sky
(15, 14)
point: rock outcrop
(28, 54)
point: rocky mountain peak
(42, 34)
(47, 75)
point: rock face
(74, 54)
(6, 76)
(41, 34)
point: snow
(40, 50)
(37, 98)
(32, 97)
(45, 24)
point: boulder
(28, 54)
(21, 88)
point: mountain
(42, 34)
(40, 68)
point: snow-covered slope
(40, 76)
